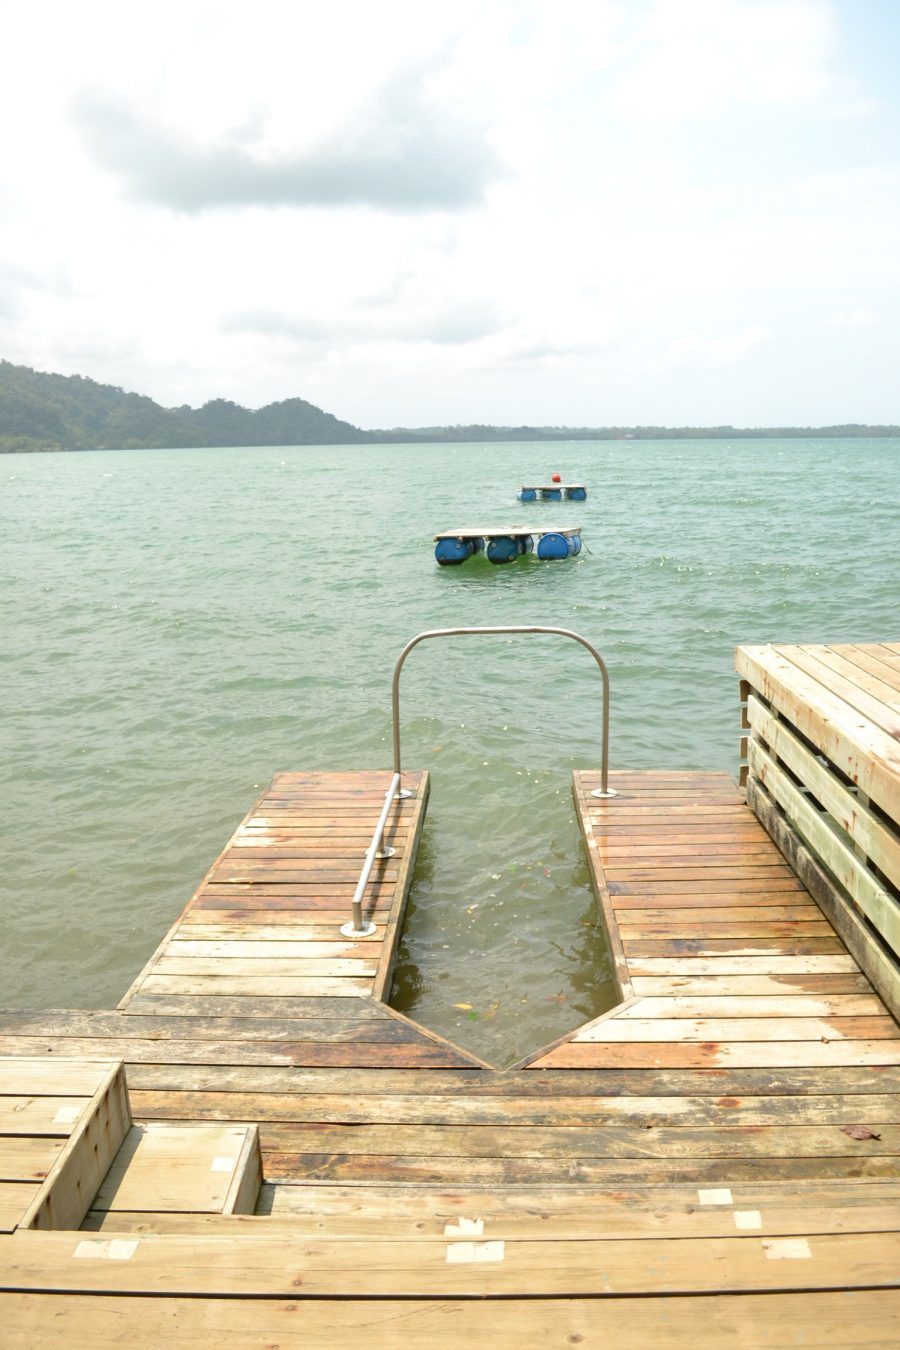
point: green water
(179, 625)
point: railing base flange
(604, 792)
(349, 931)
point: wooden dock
(292, 1162)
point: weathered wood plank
(258, 1265)
(725, 1054)
(467, 1083)
(823, 1318)
(584, 1112)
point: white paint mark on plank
(747, 1218)
(67, 1115)
(716, 1197)
(464, 1253)
(108, 1249)
(464, 1227)
(222, 1164)
(787, 1249)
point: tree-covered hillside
(68, 412)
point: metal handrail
(604, 790)
(355, 927)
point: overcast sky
(409, 212)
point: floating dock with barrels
(554, 492)
(254, 1149)
(505, 543)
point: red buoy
(555, 478)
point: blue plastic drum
(449, 552)
(553, 545)
(503, 548)
(575, 545)
(527, 495)
(551, 494)
(526, 544)
(576, 494)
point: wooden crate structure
(822, 749)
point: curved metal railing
(356, 928)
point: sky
(545, 212)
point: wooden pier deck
(717, 1157)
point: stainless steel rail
(604, 790)
(355, 927)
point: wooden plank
(246, 1006)
(81, 1164)
(875, 901)
(520, 1111)
(774, 1028)
(785, 1006)
(725, 1054)
(611, 1140)
(50, 1077)
(865, 753)
(54, 1116)
(188, 1167)
(841, 677)
(467, 1083)
(388, 954)
(600, 887)
(825, 1319)
(431, 1170)
(876, 840)
(879, 966)
(424, 1054)
(27, 1158)
(752, 985)
(15, 1197)
(178, 1264)
(243, 1192)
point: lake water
(179, 625)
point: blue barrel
(478, 544)
(553, 545)
(503, 548)
(576, 494)
(449, 552)
(527, 495)
(551, 494)
(526, 544)
(575, 544)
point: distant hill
(68, 412)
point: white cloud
(486, 209)
(724, 350)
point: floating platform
(554, 492)
(292, 1159)
(505, 543)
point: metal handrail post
(604, 790)
(355, 927)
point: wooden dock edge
(601, 890)
(394, 927)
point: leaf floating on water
(556, 998)
(859, 1132)
(474, 1016)
(492, 1010)
(465, 1006)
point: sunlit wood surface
(713, 1161)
